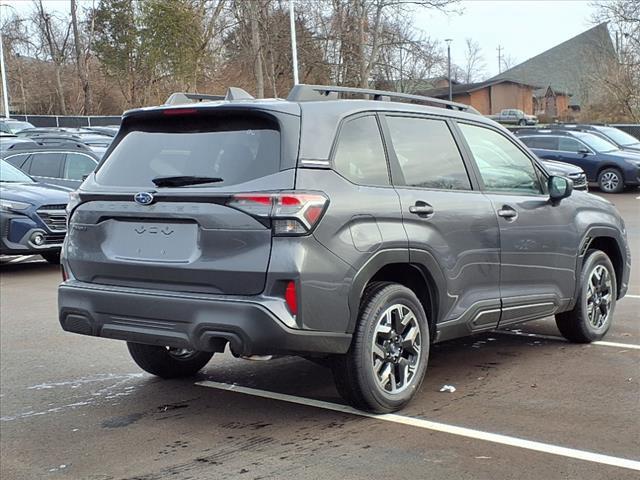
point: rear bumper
(199, 322)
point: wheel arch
(607, 240)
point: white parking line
(601, 343)
(631, 296)
(436, 426)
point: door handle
(421, 209)
(507, 212)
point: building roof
(470, 87)
(573, 66)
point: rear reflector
(291, 298)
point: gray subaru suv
(337, 225)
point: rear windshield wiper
(182, 181)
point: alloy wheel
(599, 291)
(609, 181)
(396, 348)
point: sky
(524, 28)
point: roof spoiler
(233, 93)
(310, 93)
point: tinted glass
(8, 173)
(427, 153)
(596, 142)
(503, 166)
(78, 165)
(618, 136)
(546, 143)
(360, 154)
(236, 149)
(17, 160)
(46, 164)
(567, 144)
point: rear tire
(168, 363)
(387, 360)
(610, 180)
(592, 314)
(51, 257)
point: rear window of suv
(235, 148)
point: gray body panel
(226, 272)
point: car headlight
(11, 205)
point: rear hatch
(131, 231)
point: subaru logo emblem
(143, 198)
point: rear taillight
(65, 277)
(292, 213)
(291, 297)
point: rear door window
(427, 154)
(235, 148)
(359, 155)
(78, 165)
(544, 143)
(46, 164)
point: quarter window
(502, 165)
(427, 154)
(360, 154)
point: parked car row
(609, 157)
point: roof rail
(309, 93)
(233, 93)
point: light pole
(449, 40)
(3, 72)
(294, 48)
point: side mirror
(559, 187)
(584, 151)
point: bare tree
(474, 61)
(55, 34)
(82, 47)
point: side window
(360, 154)
(17, 160)
(502, 165)
(567, 144)
(427, 153)
(545, 143)
(78, 165)
(46, 164)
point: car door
(538, 238)
(76, 167)
(45, 167)
(447, 219)
(572, 150)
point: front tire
(522, 122)
(387, 360)
(592, 314)
(167, 362)
(610, 180)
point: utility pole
(3, 72)
(449, 40)
(294, 48)
(499, 58)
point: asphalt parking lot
(74, 407)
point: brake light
(293, 213)
(180, 111)
(291, 297)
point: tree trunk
(60, 91)
(255, 47)
(81, 60)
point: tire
(522, 122)
(360, 373)
(610, 180)
(51, 257)
(168, 363)
(585, 323)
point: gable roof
(470, 87)
(572, 66)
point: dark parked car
(97, 142)
(621, 139)
(356, 232)
(604, 163)
(561, 169)
(63, 162)
(32, 215)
